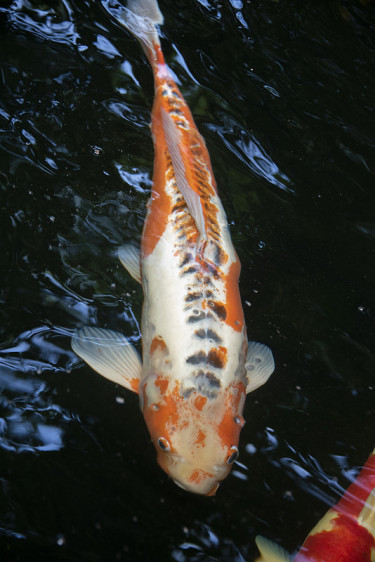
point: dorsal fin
(192, 199)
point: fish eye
(233, 455)
(164, 444)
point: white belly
(202, 351)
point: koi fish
(346, 533)
(197, 365)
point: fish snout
(195, 490)
(202, 481)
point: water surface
(283, 92)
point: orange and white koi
(197, 364)
(346, 533)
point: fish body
(197, 365)
(346, 533)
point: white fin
(192, 199)
(110, 354)
(130, 258)
(270, 551)
(259, 365)
(367, 516)
(140, 17)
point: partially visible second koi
(197, 364)
(346, 533)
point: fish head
(196, 437)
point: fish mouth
(212, 492)
(180, 485)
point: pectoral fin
(192, 199)
(259, 365)
(110, 354)
(130, 258)
(270, 552)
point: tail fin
(140, 18)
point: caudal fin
(140, 17)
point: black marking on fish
(200, 170)
(207, 334)
(173, 104)
(204, 382)
(191, 297)
(186, 259)
(219, 255)
(190, 269)
(197, 358)
(186, 392)
(206, 379)
(219, 309)
(213, 269)
(197, 316)
(182, 124)
(179, 206)
(215, 359)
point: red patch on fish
(348, 541)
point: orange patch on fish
(235, 317)
(199, 475)
(134, 383)
(199, 402)
(158, 344)
(198, 166)
(164, 419)
(228, 429)
(162, 383)
(201, 438)
(160, 206)
(217, 357)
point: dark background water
(283, 93)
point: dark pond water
(283, 93)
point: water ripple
(53, 24)
(251, 153)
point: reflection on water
(30, 421)
(252, 155)
(203, 544)
(283, 94)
